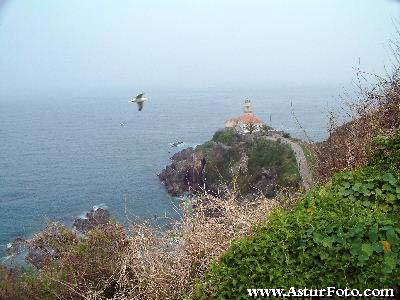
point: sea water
(60, 155)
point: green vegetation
(387, 153)
(226, 136)
(270, 155)
(205, 146)
(270, 164)
(265, 129)
(218, 166)
(346, 234)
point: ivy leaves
(380, 189)
(384, 240)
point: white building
(246, 123)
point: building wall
(244, 127)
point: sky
(48, 45)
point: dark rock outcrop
(185, 172)
(94, 218)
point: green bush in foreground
(346, 234)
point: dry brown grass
(167, 264)
(146, 262)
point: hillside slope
(344, 234)
(352, 144)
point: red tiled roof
(247, 118)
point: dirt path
(304, 169)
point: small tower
(247, 107)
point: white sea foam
(177, 144)
(193, 145)
(185, 145)
(101, 205)
(83, 215)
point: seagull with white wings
(139, 100)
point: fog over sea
(60, 155)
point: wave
(94, 208)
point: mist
(107, 46)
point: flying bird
(140, 100)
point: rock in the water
(185, 172)
(94, 218)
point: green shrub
(327, 240)
(265, 129)
(346, 234)
(88, 265)
(205, 146)
(387, 154)
(217, 169)
(277, 159)
(376, 189)
(10, 286)
(265, 154)
(225, 136)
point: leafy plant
(387, 153)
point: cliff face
(255, 164)
(185, 172)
